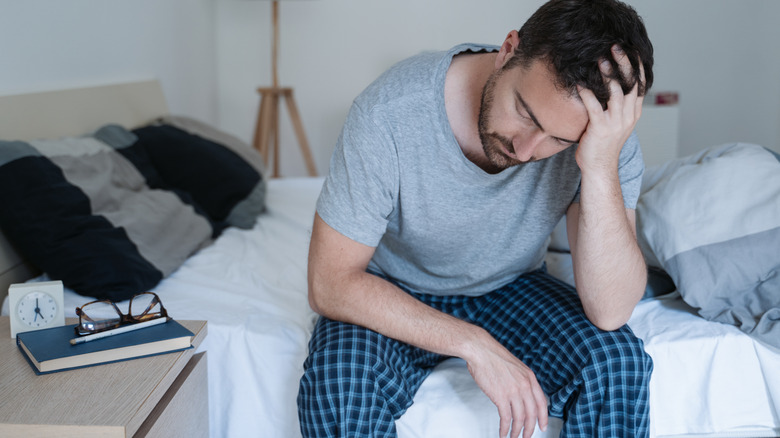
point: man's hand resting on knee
(510, 385)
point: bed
(247, 278)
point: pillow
(84, 214)
(712, 222)
(222, 178)
(196, 127)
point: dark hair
(575, 35)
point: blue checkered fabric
(357, 382)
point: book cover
(50, 350)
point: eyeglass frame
(124, 318)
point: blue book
(50, 350)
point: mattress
(250, 285)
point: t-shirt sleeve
(631, 167)
(359, 194)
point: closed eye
(523, 108)
(522, 112)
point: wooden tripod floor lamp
(266, 138)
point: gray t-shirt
(441, 225)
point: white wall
(52, 44)
(723, 56)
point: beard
(493, 143)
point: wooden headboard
(71, 112)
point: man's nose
(526, 146)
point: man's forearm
(369, 301)
(341, 289)
(610, 271)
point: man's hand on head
(608, 130)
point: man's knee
(356, 384)
(345, 360)
(337, 380)
(620, 353)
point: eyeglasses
(99, 316)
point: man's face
(524, 117)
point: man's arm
(609, 269)
(341, 289)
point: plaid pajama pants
(357, 382)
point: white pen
(116, 331)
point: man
(451, 171)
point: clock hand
(37, 310)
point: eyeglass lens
(99, 315)
(101, 311)
(145, 306)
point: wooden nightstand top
(106, 400)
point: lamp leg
(264, 129)
(275, 133)
(295, 117)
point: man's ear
(507, 49)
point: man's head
(530, 107)
(575, 35)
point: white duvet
(251, 288)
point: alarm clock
(36, 306)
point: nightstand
(659, 133)
(158, 396)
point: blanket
(113, 212)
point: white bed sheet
(250, 286)
(708, 377)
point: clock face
(36, 309)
